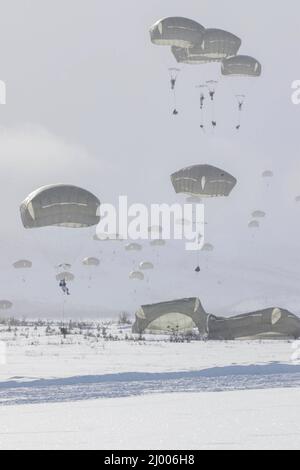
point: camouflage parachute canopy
(176, 31)
(203, 181)
(60, 205)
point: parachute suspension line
(212, 85)
(173, 79)
(198, 241)
(202, 105)
(241, 102)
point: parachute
(103, 238)
(245, 67)
(154, 230)
(203, 181)
(241, 66)
(259, 215)
(65, 276)
(60, 205)
(60, 217)
(208, 247)
(22, 264)
(146, 266)
(268, 174)
(191, 56)
(133, 247)
(91, 262)
(64, 267)
(176, 31)
(218, 44)
(254, 224)
(158, 243)
(136, 276)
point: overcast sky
(88, 103)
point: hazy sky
(88, 103)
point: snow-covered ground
(88, 392)
(227, 420)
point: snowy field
(112, 392)
(226, 420)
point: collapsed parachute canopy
(60, 205)
(22, 264)
(177, 31)
(204, 181)
(241, 65)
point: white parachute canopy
(91, 262)
(258, 215)
(268, 174)
(254, 224)
(65, 276)
(146, 266)
(208, 247)
(203, 181)
(133, 247)
(136, 276)
(158, 243)
(22, 264)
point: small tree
(124, 319)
